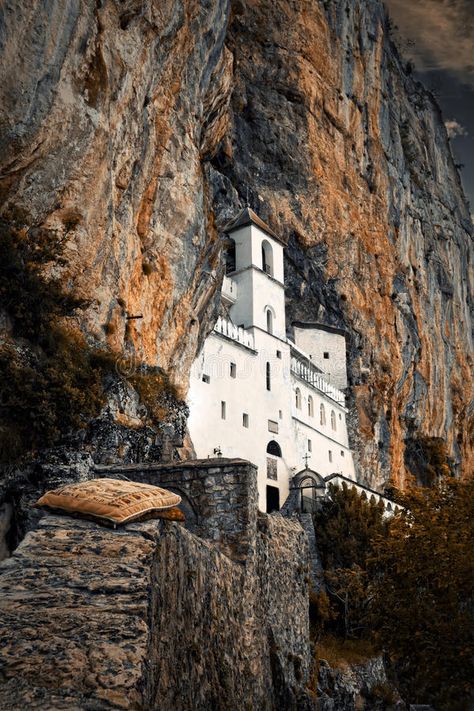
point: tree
(422, 594)
(345, 526)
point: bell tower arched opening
(267, 257)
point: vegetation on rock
(346, 526)
(51, 379)
(422, 594)
(427, 459)
(405, 585)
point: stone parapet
(219, 497)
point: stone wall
(219, 497)
(151, 616)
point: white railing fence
(236, 333)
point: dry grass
(340, 653)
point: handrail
(236, 333)
(308, 372)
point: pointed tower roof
(248, 217)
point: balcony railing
(236, 333)
(304, 369)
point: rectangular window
(326, 355)
(223, 410)
(310, 446)
(280, 414)
(233, 370)
(245, 420)
(268, 377)
(278, 354)
(273, 426)
(330, 455)
(206, 379)
(342, 452)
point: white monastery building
(257, 395)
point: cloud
(454, 128)
(437, 34)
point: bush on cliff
(51, 379)
(422, 590)
(406, 584)
(346, 525)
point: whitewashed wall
(316, 342)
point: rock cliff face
(151, 617)
(348, 157)
(136, 129)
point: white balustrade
(236, 333)
(307, 371)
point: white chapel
(257, 395)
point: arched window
(229, 256)
(274, 448)
(269, 321)
(322, 415)
(268, 376)
(310, 406)
(267, 257)
(333, 420)
(298, 398)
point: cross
(306, 457)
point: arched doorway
(312, 488)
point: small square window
(326, 355)
(233, 370)
(278, 354)
(310, 446)
(223, 410)
(245, 420)
(206, 379)
(342, 452)
(330, 455)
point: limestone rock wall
(151, 616)
(107, 112)
(347, 156)
(136, 129)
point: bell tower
(256, 268)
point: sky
(438, 36)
